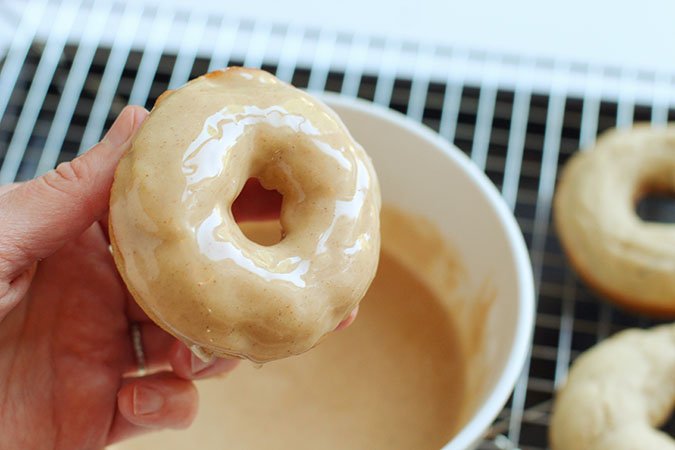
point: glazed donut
(625, 258)
(617, 393)
(179, 250)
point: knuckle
(67, 175)
(6, 268)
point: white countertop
(632, 34)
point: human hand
(68, 372)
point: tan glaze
(408, 374)
(628, 260)
(419, 246)
(395, 379)
(186, 261)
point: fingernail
(197, 365)
(147, 400)
(121, 129)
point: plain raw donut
(617, 393)
(179, 250)
(627, 259)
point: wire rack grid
(68, 67)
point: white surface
(632, 34)
(422, 174)
(563, 50)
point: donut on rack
(630, 261)
(179, 250)
(618, 393)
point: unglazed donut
(627, 259)
(179, 250)
(617, 393)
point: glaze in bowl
(424, 175)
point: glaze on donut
(179, 250)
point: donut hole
(669, 426)
(256, 207)
(657, 206)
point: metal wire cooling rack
(67, 68)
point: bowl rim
(481, 420)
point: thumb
(38, 217)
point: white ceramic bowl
(421, 173)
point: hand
(68, 374)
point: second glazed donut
(181, 253)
